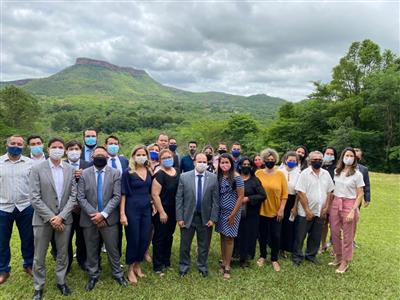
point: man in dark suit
(364, 171)
(187, 161)
(53, 196)
(99, 194)
(197, 207)
(74, 151)
(90, 141)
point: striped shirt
(14, 183)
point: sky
(245, 48)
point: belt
(341, 199)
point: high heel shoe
(338, 271)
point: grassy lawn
(375, 272)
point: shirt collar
(197, 173)
(101, 170)
(53, 166)
(22, 158)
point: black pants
(287, 234)
(270, 233)
(312, 229)
(162, 239)
(245, 242)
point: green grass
(374, 273)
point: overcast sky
(240, 48)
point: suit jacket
(186, 198)
(43, 195)
(87, 195)
(124, 162)
(367, 188)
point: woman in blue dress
(135, 212)
(231, 193)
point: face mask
(316, 164)
(14, 151)
(168, 162)
(100, 161)
(328, 158)
(112, 149)
(56, 153)
(209, 157)
(236, 153)
(348, 161)
(270, 164)
(221, 151)
(246, 170)
(74, 155)
(192, 151)
(258, 163)
(36, 150)
(172, 147)
(90, 141)
(225, 168)
(153, 155)
(141, 160)
(201, 167)
(291, 164)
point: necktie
(199, 193)
(99, 191)
(113, 163)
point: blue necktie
(99, 191)
(199, 193)
(113, 163)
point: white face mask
(74, 155)
(201, 167)
(348, 161)
(140, 160)
(56, 153)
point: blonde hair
(269, 152)
(132, 163)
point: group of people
(92, 191)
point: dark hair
(53, 140)
(73, 143)
(254, 157)
(192, 142)
(334, 152)
(231, 173)
(236, 144)
(242, 160)
(340, 164)
(100, 147)
(89, 129)
(303, 161)
(111, 137)
(31, 137)
(198, 153)
(290, 153)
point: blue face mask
(168, 162)
(328, 158)
(236, 153)
(14, 151)
(90, 141)
(172, 147)
(153, 155)
(36, 150)
(112, 149)
(291, 164)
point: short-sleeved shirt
(276, 187)
(169, 186)
(346, 186)
(316, 187)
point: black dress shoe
(91, 284)
(296, 263)
(182, 274)
(122, 281)
(64, 289)
(313, 260)
(204, 273)
(38, 295)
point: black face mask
(270, 164)
(209, 157)
(246, 170)
(221, 151)
(316, 164)
(99, 162)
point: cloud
(242, 48)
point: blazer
(124, 162)
(186, 198)
(43, 195)
(367, 188)
(87, 195)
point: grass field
(374, 273)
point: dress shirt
(76, 164)
(88, 153)
(58, 177)
(316, 187)
(117, 162)
(38, 160)
(14, 183)
(103, 171)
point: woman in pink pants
(344, 212)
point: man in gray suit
(197, 206)
(53, 196)
(99, 193)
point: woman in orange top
(271, 212)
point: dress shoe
(182, 274)
(4, 277)
(204, 273)
(28, 271)
(313, 260)
(296, 263)
(122, 281)
(38, 295)
(64, 289)
(91, 284)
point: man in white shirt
(15, 205)
(314, 189)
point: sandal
(227, 274)
(334, 263)
(276, 266)
(221, 268)
(261, 262)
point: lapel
(193, 185)
(67, 180)
(107, 178)
(205, 185)
(47, 169)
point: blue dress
(138, 213)
(227, 201)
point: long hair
(340, 164)
(334, 153)
(231, 172)
(242, 160)
(132, 163)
